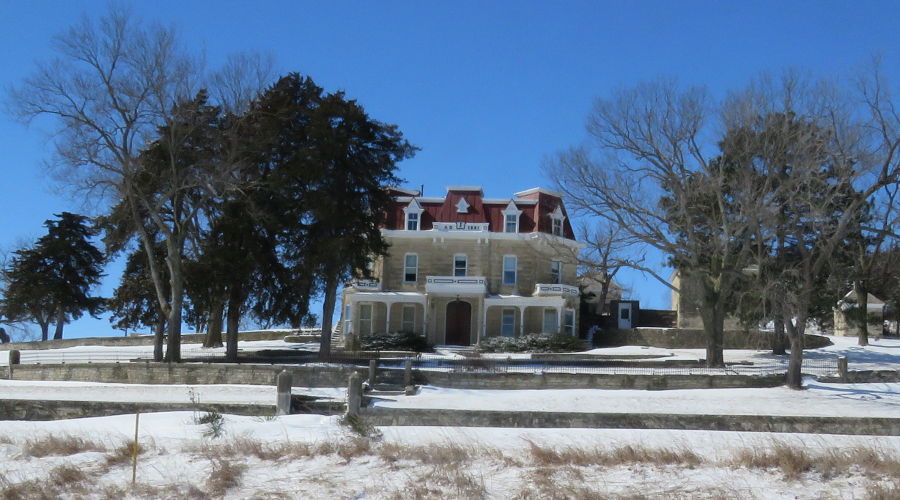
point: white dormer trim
(511, 209)
(557, 219)
(462, 206)
(415, 210)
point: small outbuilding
(843, 320)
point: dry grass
(794, 462)
(883, 490)
(123, 453)
(66, 479)
(552, 456)
(224, 475)
(59, 446)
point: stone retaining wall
(458, 380)
(337, 376)
(27, 409)
(135, 340)
(184, 373)
(686, 338)
(745, 423)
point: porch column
(387, 317)
(521, 320)
(483, 331)
(559, 318)
(425, 318)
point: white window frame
(408, 324)
(557, 218)
(515, 270)
(556, 268)
(465, 268)
(412, 221)
(569, 321)
(413, 215)
(407, 267)
(550, 312)
(511, 210)
(348, 318)
(365, 322)
(462, 206)
(508, 313)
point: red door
(459, 323)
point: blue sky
(487, 90)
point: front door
(459, 323)
(624, 315)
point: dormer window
(413, 213)
(462, 207)
(556, 219)
(412, 222)
(511, 218)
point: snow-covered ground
(858, 400)
(303, 456)
(313, 456)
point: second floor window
(510, 263)
(460, 265)
(410, 268)
(556, 272)
(512, 223)
(412, 221)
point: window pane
(511, 223)
(556, 271)
(570, 322)
(460, 263)
(410, 269)
(508, 324)
(509, 270)
(550, 325)
(412, 222)
(408, 322)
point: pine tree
(51, 282)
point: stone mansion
(464, 267)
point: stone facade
(464, 267)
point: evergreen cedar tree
(328, 164)
(51, 282)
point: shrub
(532, 342)
(396, 342)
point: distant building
(843, 322)
(463, 267)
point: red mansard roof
(536, 204)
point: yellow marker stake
(134, 452)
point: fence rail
(814, 367)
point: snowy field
(309, 456)
(303, 456)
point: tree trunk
(779, 340)
(794, 378)
(861, 313)
(45, 330)
(234, 321)
(713, 314)
(159, 335)
(60, 323)
(176, 281)
(214, 325)
(327, 313)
